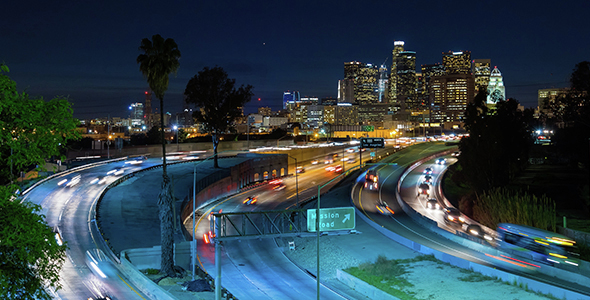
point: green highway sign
(372, 143)
(336, 218)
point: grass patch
(151, 271)
(476, 277)
(386, 274)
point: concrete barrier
(140, 281)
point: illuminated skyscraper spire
(496, 91)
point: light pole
(177, 146)
(248, 131)
(296, 181)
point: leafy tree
(572, 109)
(498, 143)
(33, 130)
(218, 100)
(158, 60)
(30, 257)
(574, 106)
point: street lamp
(296, 180)
(177, 146)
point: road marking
(130, 287)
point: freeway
(70, 209)
(257, 269)
(406, 226)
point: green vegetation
(504, 205)
(151, 271)
(476, 277)
(387, 275)
(31, 131)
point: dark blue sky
(87, 49)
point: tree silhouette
(498, 143)
(219, 103)
(159, 60)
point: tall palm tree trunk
(165, 210)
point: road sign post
(337, 218)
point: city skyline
(88, 50)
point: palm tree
(158, 61)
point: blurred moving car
(250, 200)
(279, 187)
(441, 161)
(456, 153)
(424, 189)
(428, 179)
(328, 160)
(314, 162)
(453, 215)
(432, 204)
(427, 171)
(372, 179)
(338, 169)
(100, 264)
(384, 209)
(70, 182)
(300, 169)
(477, 231)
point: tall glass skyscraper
(406, 79)
(398, 46)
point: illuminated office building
(429, 72)
(148, 118)
(364, 77)
(547, 96)
(346, 91)
(290, 98)
(481, 72)
(451, 93)
(398, 46)
(457, 62)
(496, 91)
(137, 114)
(406, 84)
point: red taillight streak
(524, 262)
(506, 260)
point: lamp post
(177, 146)
(296, 181)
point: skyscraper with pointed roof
(496, 89)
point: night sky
(87, 50)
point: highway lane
(257, 269)
(405, 226)
(71, 210)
